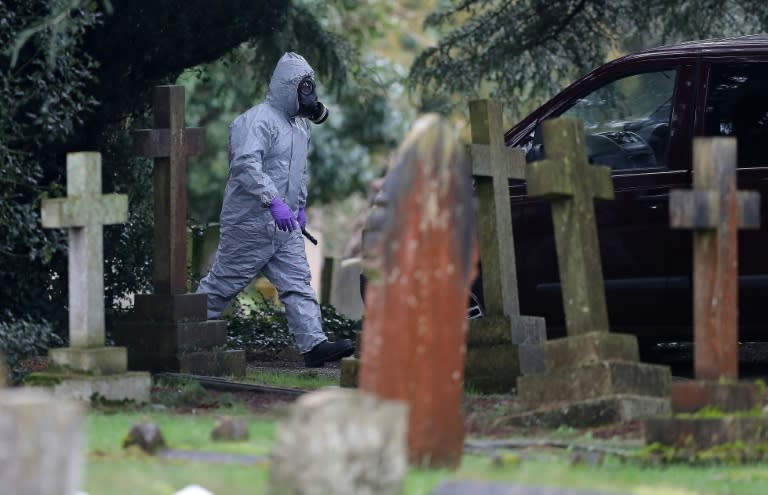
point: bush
(263, 326)
(23, 338)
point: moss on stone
(714, 412)
(732, 453)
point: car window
(627, 120)
(737, 105)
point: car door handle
(653, 198)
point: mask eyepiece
(306, 86)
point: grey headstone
(345, 289)
(229, 429)
(41, 443)
(146, 436)
(340, 442)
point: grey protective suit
(267, 157)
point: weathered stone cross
(84, 211)
(503, 343)
(715, 210)
(493, 164)
(571, 182)
(170, 144)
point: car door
(636, 123)
(734, 102)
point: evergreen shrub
(23, 338)
(262, 326)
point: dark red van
(640, 114)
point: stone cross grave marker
(503, 343)
(168, 330)
(415, 325)
(592, 376)
(170, 143)
(493, 164)
(84, 212)
(715, 210)
(572, 183)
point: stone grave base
(694, 395)
(705, 433)
(593, 381)
(592, 412)
(209, 363)
(350, 366)
(350, 372)
(101, 360)
(492, 361)
(195, 347)
(127, 386)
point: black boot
(325, 352)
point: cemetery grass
(302, 379)
(186, 414)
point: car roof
(749, 44)
(752, 42)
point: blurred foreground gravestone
(503, 344)
(715, 210)
(87, 368)
(41, 443)
(168, 330)
(592, 376)
(425, 255)
(340, 442)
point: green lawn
(304, 379)
(110, 470)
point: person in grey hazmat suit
(262, 217)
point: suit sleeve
(247, 146)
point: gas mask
(309, 107)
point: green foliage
(346, 150)
(82, 80)
(43, 99)
(263, 326)
(22, 338)
(523, 51)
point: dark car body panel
(646, 265)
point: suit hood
(289, 71)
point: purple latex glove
(282, 214)
(302, 218)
